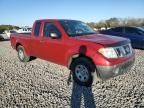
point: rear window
(37, 29)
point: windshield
(76, 28)
(141, 28)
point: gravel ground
(43, 84)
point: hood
(106, 40)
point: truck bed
(23, 38)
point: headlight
(108, 52)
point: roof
(56, 20)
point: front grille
(124, 50)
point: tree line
(114, 22)
(7, 27)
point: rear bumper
(106, 72)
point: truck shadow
(80, 93)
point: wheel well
(79, 56)
(17, 45)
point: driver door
(53, 48)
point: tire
(82, 71)
(23, 57)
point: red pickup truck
(74, 44)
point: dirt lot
(43, 84)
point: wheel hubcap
(21, 54)
(81, 73)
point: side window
(49, 28)
(131, 31)
(37, 29)
(117, 30)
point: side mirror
(54, 35)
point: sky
(24, 12)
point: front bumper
(106, 72)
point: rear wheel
(82, 71)
(23, 57)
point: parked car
(135, 34)
(3, 37)
(24, 30)
(75, 45)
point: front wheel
(23, 57)
(82, 71)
